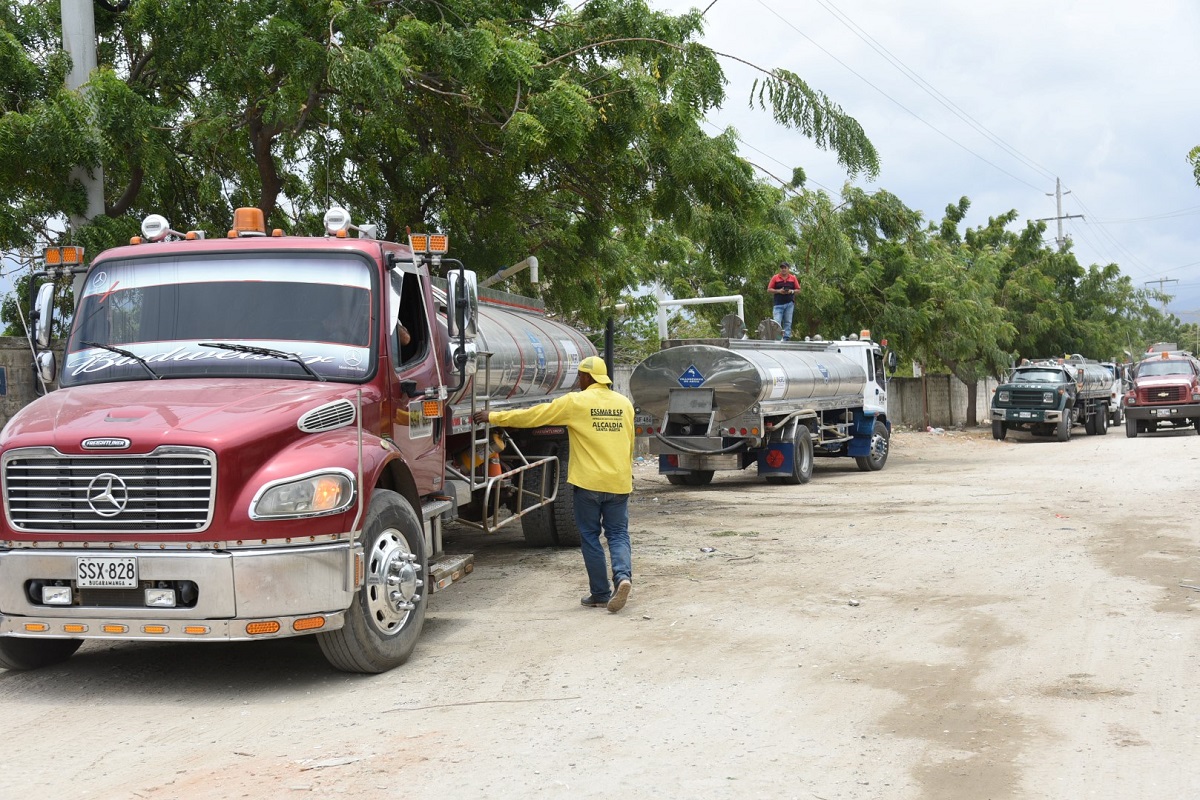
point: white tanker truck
(724, 404)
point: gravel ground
(980, 619)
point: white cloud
(1099, 94)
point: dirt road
(981, 619)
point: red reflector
(743, 431)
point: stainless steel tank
(533, 358)
(744, 374)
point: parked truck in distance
(705, 405)
(1164, 392)
(260, 436)
(1048, 397)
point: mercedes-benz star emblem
(107, 494)
(351, 358)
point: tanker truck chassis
(726, 404)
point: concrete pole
(79, 42)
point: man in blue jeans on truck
(783, 285)
(599, 423)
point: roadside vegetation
(573, 132)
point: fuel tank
(747, 372)
(533, 358)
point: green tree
(520, 127)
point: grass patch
(735, 533)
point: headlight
(310, 495)
(1003, 395)
(1047, 397)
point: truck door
(413, 354)
(875, 393)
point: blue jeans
(594, 510)
(783, 315)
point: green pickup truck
(1048, 398)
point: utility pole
(79, 42)
(1058, 195)
(1162, 282)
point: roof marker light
(337, 219)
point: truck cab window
(409, 332)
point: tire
(1102, 421)
(1115, 418)
(1196, 424)
(1063, 430)
(880, 441)
(21, 654)
(554, 524)
(802, 458)
(1131, 428)
(677, 480)
(999, 430)
(1089, 425)
(387, 614)
(538, 525)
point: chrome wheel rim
(393, 582)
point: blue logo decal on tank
(824, 371)
(691, 378)
(540, 350)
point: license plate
(107, 573)
(1025, 415)
(1164, 412)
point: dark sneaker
(620, 596)
(591, 601)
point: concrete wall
(16, 364)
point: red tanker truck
(260, 436)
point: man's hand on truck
(481, 416)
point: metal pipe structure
(695, 301)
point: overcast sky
(995, 101)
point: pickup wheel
(388, 612)
(1196, 424)
(1131, 428)
(1063, 429)
(35, 653)
(880, 442)
(999, 430)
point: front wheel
(880, 441)
(35, 653)
(388, 612)
(1063, 429)
(999, 430)
(1131, 428)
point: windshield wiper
(265, 351)
(123, 352)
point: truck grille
(1029, 397)
(169, 490)
(1162, 394)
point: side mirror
(893, 361)
(46, 367)
(462, 304)
(43, 310)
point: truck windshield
(1164, 368)
(162, 309)
(1037, 376)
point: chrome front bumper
(234, 588)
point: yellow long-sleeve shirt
(599, 425)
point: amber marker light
(431, 409)
(419, 242)
(258, 628)
(110, 628)
(36, 627)
(74, 627)
(308, 624)
(327, 494)
(439, 243)
(154, 629)
(195, 630)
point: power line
(900, 105)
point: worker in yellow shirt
(599, 423)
